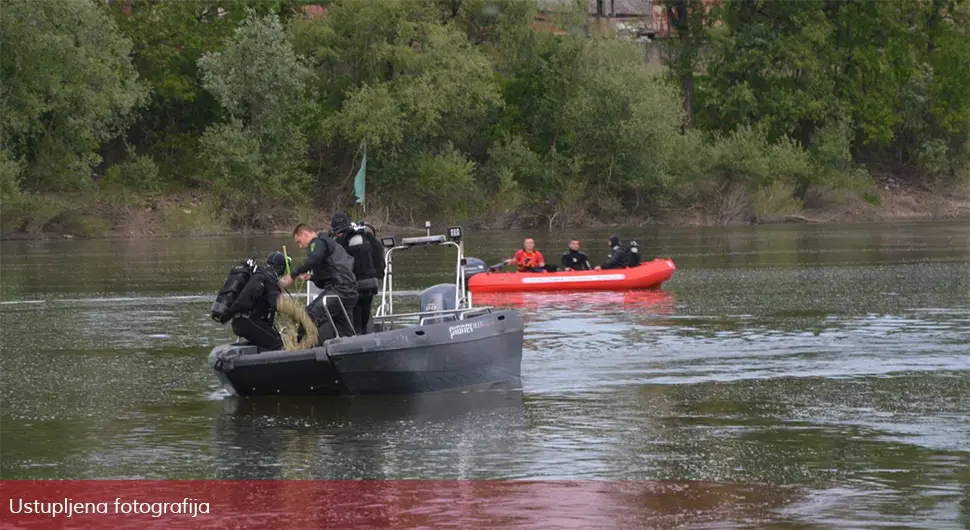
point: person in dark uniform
(368, 256)
(254, 310)
(573, 259)
(332, 270)
(618, 258)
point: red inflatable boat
(648, 275)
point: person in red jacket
(528, 259)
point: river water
(813, 376)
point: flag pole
(360, 181)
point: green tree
(872, 46)
(690, 22)
(935, 131)
(68, 86)
(769, 67)
(259, 154)
(588, 125)
(393, 76)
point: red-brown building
(639, 19)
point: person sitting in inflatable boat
(621, 256)
(573, 259)
(528, 259)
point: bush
(10, 171)
(741, 176)
(33, 214)
(137, 173)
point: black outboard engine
(235, 282)
(634, 254)
(472, 267)
(439, 297)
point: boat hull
(246, 372)
(648, 275)
(479, 350)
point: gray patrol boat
(447, 344)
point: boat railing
(425, 316)
(453, 238)
(385, 312)
(326, 309)
(313, 292)
(462, 315)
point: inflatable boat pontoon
(647, 275)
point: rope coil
(295, 315)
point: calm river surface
(796, 376)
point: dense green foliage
(69, 86)
(472, 109)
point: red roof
(314, 10)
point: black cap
(614, 241)
(277, 261)
(339, 222)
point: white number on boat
(587, 278)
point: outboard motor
(472, 267)
(634, 254)
(439, 297)
(238, 276)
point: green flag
(359, 179)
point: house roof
(314, 10)
(637, 8)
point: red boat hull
(648, 275)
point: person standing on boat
(368, 256)
(332, 270)
(254, 310)
(619, 258)
(573, 259)
(528, 259)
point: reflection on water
(796, 375)
(660, 302)
(367, 437)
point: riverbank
(109, 215)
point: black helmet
(614, 241)
(277, 261)
(339, 222)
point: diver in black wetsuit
(618, 258)
(254, 310)
(368, 254)
(573, 259)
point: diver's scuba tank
(356, 234)
(634, 259)
(238, 276)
